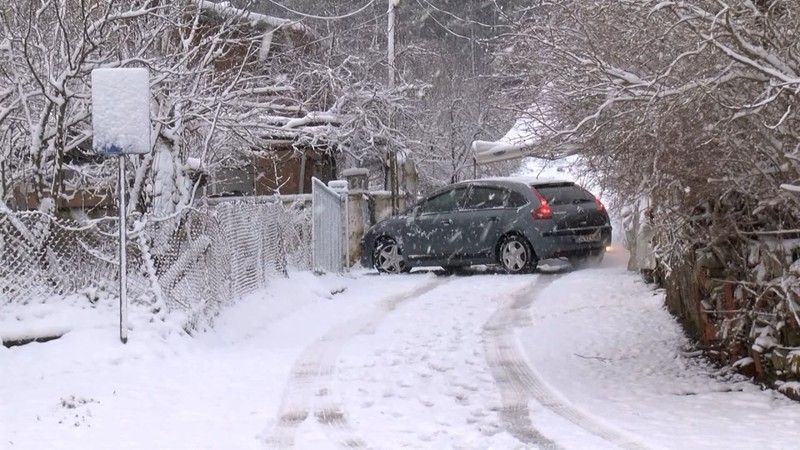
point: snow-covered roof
(355, 171)
(225, 8)
(267, 24)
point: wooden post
(733, 352)
(708, 332)
(757, 362)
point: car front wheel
(389, 258)
(516, 255)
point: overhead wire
(454, 16)
(312, 16)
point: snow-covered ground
(557, 359)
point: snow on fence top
(121, 110)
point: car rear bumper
(573, 242)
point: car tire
(388, 257)
(515, 255)
(590, 260)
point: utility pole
(393, 169)
(390, 36)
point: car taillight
(543, 211)
(600, 204)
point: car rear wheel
(389, 258)
(516, 255)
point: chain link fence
(191, 263)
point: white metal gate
(329, 226)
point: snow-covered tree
(442, 98)
(48, 50)
(692, 104)
(664, 86)
(226, 82)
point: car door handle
(494, 219)
(447, 222)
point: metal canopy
(488, 152)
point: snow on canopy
(533, 134)
(121, 110)
(526, 138)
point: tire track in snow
(508, 369)
(518, 382)
(308, 389)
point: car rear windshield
(564, 194)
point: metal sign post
(123, 255)
(121, 126)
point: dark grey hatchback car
(513, 222)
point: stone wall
(365, 208)
(732, 300)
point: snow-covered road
(557, 359)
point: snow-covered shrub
(733, 280)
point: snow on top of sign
(121, 110)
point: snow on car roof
(529, 181)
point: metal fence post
(341, 187)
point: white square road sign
(121, 111)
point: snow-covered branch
(315, 118)
(255, 19)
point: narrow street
(437, 367)
(556, 359)
(458, 363)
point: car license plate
(594, 237)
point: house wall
(280, 171)
(232, 181)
